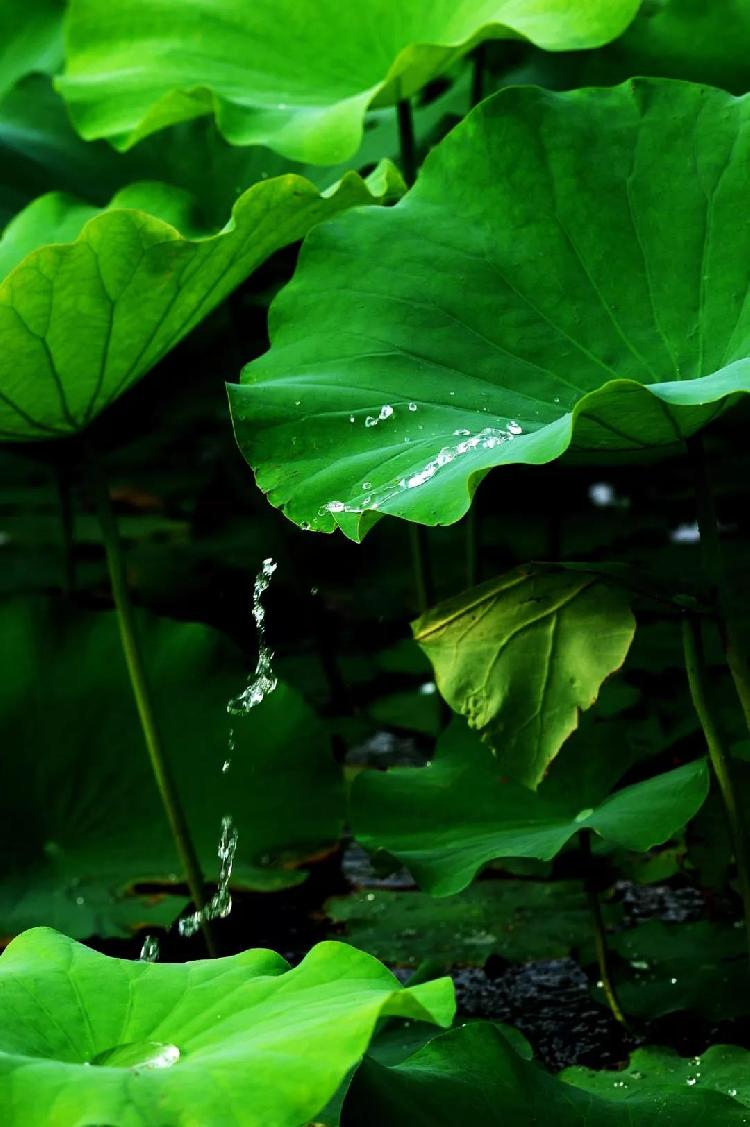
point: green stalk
(600, 934)
(714, 567)
(692, 642)
(143, 699)
(407, 143)
(417, 534)
(67, 527)
(477, 76)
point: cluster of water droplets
(262, 682)
(486, 439)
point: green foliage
(80, 816)
(567, 273)
(445, 821)
(296, 76)
(91, 298)
(520, 655)
(30, 39)
(466, 1075)
(258, 1043)
(518, 920)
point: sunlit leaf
(522, 654)
(243, 1041)
(295, 75)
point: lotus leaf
(296, 75)
(239, 1041)
(447, 820)
(568, 273)
(91, 298)
(520, 655)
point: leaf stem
(477, 75)
(420, 556)
(67, 526)
(407, 143)
(600, 934)
(143, 698)
(713, 564)
(692, 643)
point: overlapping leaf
(30, 39)
(91, 298)
(243, 1041)
(520, 655)
(297, 75)
(80, 818)
(472, 1075)
(567, 274)
(445, 821)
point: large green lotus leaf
(91, 298)
(521, 655)
(80, 819)
(518, 920)
(567, 274)
(296, 75)
(472, 1075)
(239, 1041)
(722, 1068)
(30, 39)
(446, 820)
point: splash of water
(149, 950)
(220, 904)
(263, 681)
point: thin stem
(472, 545)
(477, 75)
(420, 556)
(143, 699)
(715, 572)
(692, 643)
(600, 934)
(407, 143)
(67, 526)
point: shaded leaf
(114, 289)
(518, 920)
(567, 274)
(520, 655)
(80, 818)
(30, 39)
(471, 1075)
(255, 1041)
(447, 820)
(297, 75)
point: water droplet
(297, 402)
(80, 901)
(138, 1054)
(305, 525)
(602, 494)
(584, 814)
(673, 981)
(691, 1081)
(427, 688)
(225, 766)
(461, 432)
(732, 1092)
(367, 485)
(637, 1075)
(263, 680)
(351, 418)
(335, 507)
(220, 904)
(371, 421)
(149, 950)
(412, 406)
(370, 896)
(514, 427)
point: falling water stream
(259, 685)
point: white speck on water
(686, 533)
